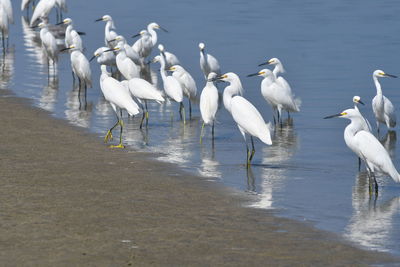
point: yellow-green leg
(201, 133)
(120, 145)
(109, 135)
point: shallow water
(329, 50)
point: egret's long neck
(69, 29)
(354, 126)
(356, 107)
(278, 69)
(377, 85)
(162, 68)
(203, 55)
(153, 34)
(235, 88)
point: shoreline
(70, 200)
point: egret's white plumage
(144, 91)
(278, 96)
(366, 146)
(364, 125)
(125, 65)
(42, 10)
(49, 43)
(9, 10)
(170, 59)
(25, 4)
(80, 66)
(119, 98)
(71, 35)
(187, 83)
(144, 44)
(129, 51)
(4, 24)
(172, 87)
(208, 63)
(209, 103)
(151, 30)
(109, 33)
(103, 57)
(381, 105)
(246, 116)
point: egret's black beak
(109, 50)
(136, 35)
(65, 49)
(100, 19)
(253, 74)
(218, 78)
(390, 75)
(262, 64)
(362, 103)
(60, 23)
(112, 40)
(333, 116)
(92, 58)
(165, 30)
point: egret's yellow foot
(118, 146)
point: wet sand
(69, 200)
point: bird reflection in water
(209, 165)
(7, 67)
(49, 94)
(389, 142)
(273, 171)
(372, 222)
(76, 112)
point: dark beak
(262, 64)
(112, 40)
(362, 103)
(253, 74)
(390, 75)
(100, 19)
(136, 35)
(333, 116)
(60, 23)
(65, 49)
(92, 58)
(165, 30)
(218, 78)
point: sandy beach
(69, 200)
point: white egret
(9, 10)
(125, 65)
(144, 91)
(187, 82)
(49, 44)
(103, 57)
(4, 25)
(109, 34)
(72, 37)
(381, 105)
(209, 104)
(278, 69)
(144, 44)
(119, 98)
(42, 10)
(246, 116)
(364, 125)
(170, 59)
(151, 30)
(81, 67)
(279, 97)
(208, 63)
(130, 52)
(172, 87)
(367, 147)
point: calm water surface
(329, 50)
